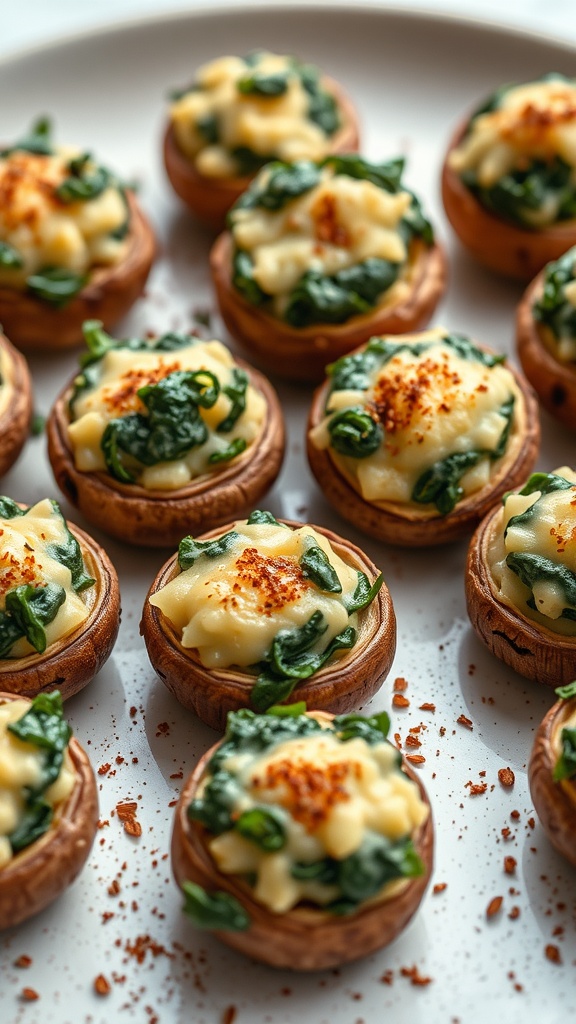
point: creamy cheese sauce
(430, 406)
(332, 796)
(21, 766)
(48, 232)
(337, 224)
(123, 372)
(24, 559)
(551, 533)
(230, 609)
(269, 126)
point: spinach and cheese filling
(419, 421)
(160, 412)
(61, 215)
(241, 112)
(36, 771)
(563, 741)
(532, 557)
(276, 601)
(42, 575)
(518, 155)
(6, 382)
(309, 812)
(555, 309)
(321, 242)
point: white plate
(412, 78)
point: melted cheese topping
(123, 372)
(24, 559)
(21, 766)
(551, 533)
(269, 126)
(332, 796)
(536, 121)
(429, 406)
(47, 232)
(230, 609)
(338, 224)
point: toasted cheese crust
(44, 230)
(123, 372)
(331, 797)
(269, 126)
(549, 533)
(230, 609)
(429, 406)
(21, 767)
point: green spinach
(565, 767)
(316, 566)
(354, 433)
(532, 569)
(214, 910)
(552, 308)
(547, 483)
(190, 550)
(10, 258)
(56, 285)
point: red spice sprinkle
(415, 977)
(229, 1015)
(23, 961)
(144, 944)
(114, 888)
(514, 913)
(399, 701)
(133, 711)
(506, 777)
(462, 720)
(412, 741)
(509, 865)
(119, 759)
(515, 815)
(415, 758)
(442, 730)
(531, 822)
(29, 995)
(103, 823)
(400, 684)
(427, 707)
(104, 769)
(133, 827)
(439, 887)
(102, 985)
(397, 739)
(387, 978)
(494, 906)
(553, 954)
(506, 832)
(476, 788)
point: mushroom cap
(553, 381)
(36, 326)
(211, 198)
(554, 802)
(346, 682)
(302, 353)
(529, 648)
(305, 938)
(71, 663)
(41, 872)
(409, 526)
(133, 514)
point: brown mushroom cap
(500, 245)
(555, 802)
(530, 649)
(303, 939)
(149, 518)
(211, 198)
(36, 326)
(71, 663)
(302, 353)
(42, 871)
(16, 417)
(554, 382)
(407, 526)
(346, 682)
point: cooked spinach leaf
(236, 392)
(355, 433)
(521, 194)
(532, 569)
(319, 298)
(35, 821)
(86, 181)
(38, 140)
(260, 516)
(235, 448)
(547, 483)
(282, 183)
(207, 126)
(31, 608)
(373, 729)
(69, 553)
(247, 731)
(244, 281)
(214, 910)
(56, 285)
(364, 593)
(214, 809)
(261, 84)
(10, 258)
(9, 509)
(466, 349)
(565, 767)
(317, 568)
(566, 692)
(552, 308)
(189, 550)
(263, 826)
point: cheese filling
(527, 125)
(554, 310)
(230, 608)
(41, 574)
(430, 420)
(40, 230)
(532, 553)
(242, 113)
(563, 745)
(311, 815)
(21, 772)
(107, 406)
